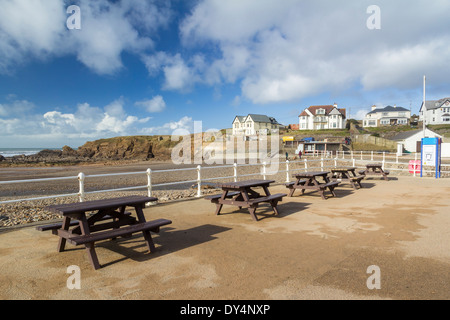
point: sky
(152, 67)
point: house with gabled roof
(323, 117)
(412, 140)
(254, 124)
(435, 111)
(388, 116)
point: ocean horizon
(11, 152)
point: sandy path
(315, 249)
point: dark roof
(388, 109)
(406, 134)
(258, 118)
(434, 104)
(328, 109)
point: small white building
(412, 140)
(254, 124)
(388, 116)
(323, 117)
(436, 111)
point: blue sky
(145, 67)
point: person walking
(300, 154)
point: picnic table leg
(62, 241)
(219, 205)
(274, 204)
(90, 248)
(146, 233)
(292, 190)
(252, 211)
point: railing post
(287, 172)
(306, 164)
(149, 182)
(371, 157)
(361, 155)
(199, 181)
(354, 162)
(81, 178)
(264, 170)
(321, 163)
(235, 171)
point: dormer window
(320, 111)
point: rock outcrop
(138, 148)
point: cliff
(136, 148)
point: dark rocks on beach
(116, 149)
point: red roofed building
(323, 117)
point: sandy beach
(315, 249)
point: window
(320, 111)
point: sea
(11, 152)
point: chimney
(374, 107)
(335, 105)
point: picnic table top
(375, 165)
(245, 184)
(81, 207)
(310, 174)
(343, 169)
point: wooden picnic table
(107, 220)
(308, 181)
(347, 174)
(375, 169)
(243, 195)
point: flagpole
(424, 106)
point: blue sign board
(431, 154)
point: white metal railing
(310, 163)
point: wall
(366, 138)
(445, 151)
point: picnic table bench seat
(363, 172)
(153, 226)
(272, 197)
(215, 197)
(291, 184)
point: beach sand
(315, 249)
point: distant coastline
(12, 152)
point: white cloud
(16, 107)
(178, 75)
(87, 122)
(37, 29)
(293, 49)
(185, 124)
(156, 104)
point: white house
(436, 111)
(388, 116)
(412, 140)
(323, 117)
(254, 124)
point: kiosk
(431, 155)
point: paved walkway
(315, 249)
